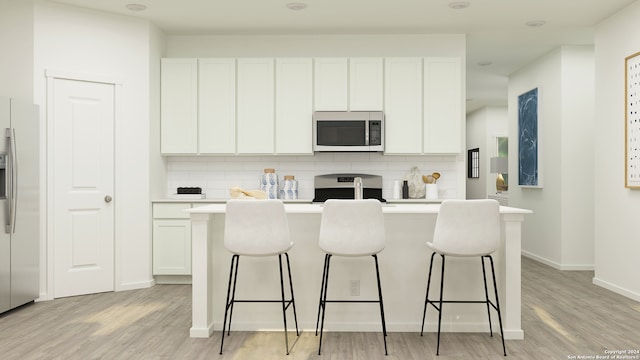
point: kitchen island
(403, 271)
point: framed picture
(473, 163)
(632, 122)
(528, 142)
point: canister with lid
(289, 189)
(269, 183)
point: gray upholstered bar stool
(350, 228)
(257, 228)
(466, 228)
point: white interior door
(83, 176)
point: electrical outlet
(354, 287)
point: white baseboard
(617, 289)
(558, 266)
(369, 327)
(136, 285)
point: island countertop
(403, 270)
(316, 208)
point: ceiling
(498, 41)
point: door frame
(51, 75)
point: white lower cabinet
(171, 239)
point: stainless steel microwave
(348, 131)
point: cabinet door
(217, 106)
(365, 84)
(255, 121)
(443, 105)
(179, 106)
(403, 105)
(171, 247)
(330, 84)
(294, 106)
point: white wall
(558, 233)
(86, 42)
(217, 174)
(617, 243)
(16, 42)
(316, 45)
(578, 138)
(483, 127)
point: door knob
(108, 199)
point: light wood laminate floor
(563, 315)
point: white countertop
(293, 208)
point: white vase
(431, 191)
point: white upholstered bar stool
(466, 228)
(350, 228)
(257, 228)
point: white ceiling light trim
(296, 6)
(136, 7)
(458, 5)
(535, 23)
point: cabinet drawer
(171, 211)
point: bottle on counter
(405, 189)
(397, 189)
(357, 188)
(269, 183)
(289, 189)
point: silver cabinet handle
(108, 199)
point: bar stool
(350, 228)
(466, 228)
(257, 228)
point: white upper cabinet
(403, 105)
(265, 105)
(217, 106)
(179, 106)
(365, 84)
(255, 117)
(294, 106)
(443, 105)
(330, 83)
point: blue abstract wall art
(528, 138)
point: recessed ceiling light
(484, 63)
(459, 5)
(296, 6)
(136, 7)
(535, 23)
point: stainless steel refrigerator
(19, 203)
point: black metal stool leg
(486, 293)
(495, 288)
(384, 324)
(324, 301)
(284, 306)
(234, 261)
(324, 274)
(233, 294)
(293, 299)
(426, 297)
(440, 308)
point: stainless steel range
(341, 186)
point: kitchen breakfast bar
(403, 271)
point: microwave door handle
(366, 133)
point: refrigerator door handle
(13, 178)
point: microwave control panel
(375, 132)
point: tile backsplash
(216, 174)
